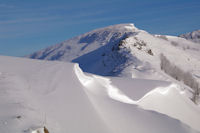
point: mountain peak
(123, 26)
(192, 36)
(77, 46)
(122, 49)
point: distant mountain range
(193, 36)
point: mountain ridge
(122, 49)
(87, 39)
(192, 36)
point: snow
(135, 96)
(192, 36)
(161, 99)
(126, 51)
(40, 130)
(61, 97)
(48, 90)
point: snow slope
(192, 36)
(61, 97)
(44, 93)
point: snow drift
(61, 97)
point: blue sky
(30, 25)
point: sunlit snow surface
(167, 100)
(59, 96)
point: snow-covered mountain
(58, 97)
(125, 50)
(192, 36)
(97, 49)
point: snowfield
(62, 98)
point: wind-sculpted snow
(168, 100)
(101, 83)
(60, 97)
